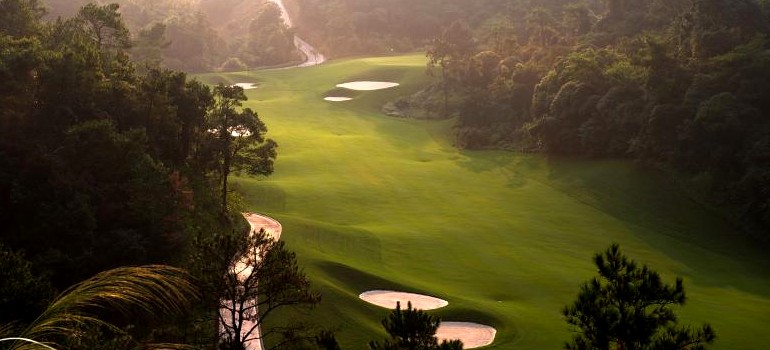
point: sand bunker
(388, 299)
(246, 86)
(337, 99)
(473, 335)
(367, 85)
(272, 227)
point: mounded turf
(371, 202)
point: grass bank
(372, 202)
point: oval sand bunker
(337, 99)
(246, 86)
(367, 85)
(473, 335)
(388, 299)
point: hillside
(373, 202)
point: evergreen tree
(240, 137)
(628, 308)
(412, 329)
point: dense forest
(102, 167)
(675, 84)
(679, 85)
(199, 36)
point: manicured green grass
(372, 202)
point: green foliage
(341, 28)
(263, 278)
(102, 167)
(239, 137)
(20, 18)
(128, 291)
(22, 293)
(149, 45)
(269, 40)
(672, 83)
(412, 329)
(198, 36)
(326, 341)
(450, 52)
(628, 307)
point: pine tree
(628, 308)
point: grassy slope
(371, 202)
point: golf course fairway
(372, 202)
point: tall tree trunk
(446, 91)
(225, 173)
(226, 161)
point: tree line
(367, 27)
(679, 85)
(199, 36)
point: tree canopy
(263, 278)
(629, 307)
(195, 36)
(104, 165)
(412, 329)
(676, 85)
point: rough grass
(372, 202)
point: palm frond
(153, 289)
(7, 330)
(28, 343)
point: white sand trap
(337, 99)
(246, 86)
(271, 226)
(388, 299)
(367, 85)
(473, 335)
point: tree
(240, 137)
(577, 20)
(263, 278)
(412, 329)
(269, 40)
(20, 17)
(149, 45)
(106, 28)
(22, 293)
(152, 289)
(499, 35)
(450, 51)
(542, 27)
(628, 308)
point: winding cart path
(273, 229)
(312, 56)
(257, 221)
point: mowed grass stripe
(370, 202)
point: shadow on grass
(340, 92)
(228, 78)
(340, 241)
(262, 197)
(714, 252)
(470, 315)
(513, 166)
(392, 74)
(361, 281)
